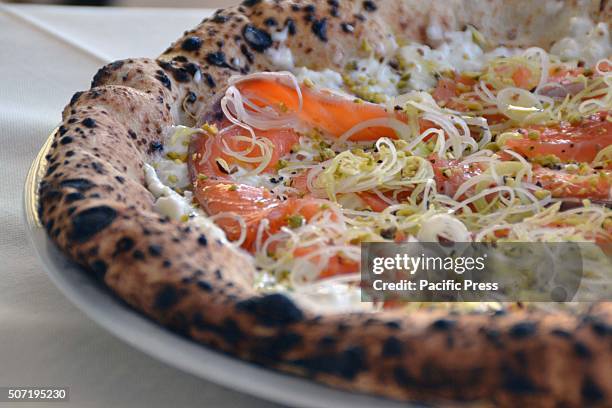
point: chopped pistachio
(295, 221)
(210, 128)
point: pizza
(223, 189)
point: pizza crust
(94, 206)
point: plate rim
(225, 370)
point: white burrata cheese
(586, 41)
(377, 75)
(327, 78)
(164, 176)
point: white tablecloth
(46, 54)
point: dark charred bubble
(443, 324)
(523, 330)
(155, 250)
(192, 43)
(319, 28)
(156, 146)
(98, 267)
(257, 39)
(166, 297)
(181, 75)
(89, 123)
(270, 348)
(89, 222)
(132, 134)
(272, 310)
(248, 54)
(163, 78)
(80, 184)
(209, 80)
(191, 68)
(591, 392)
(191, 97)
(205, 286)
(270, 22)
(202, 240)
(219, 18)
(582, 350)
(402, 377)
(369, 5)
(392, 347)
(123, 245)
(228, 329)
(66, 140)
(291, 29)
(564, 334)
(517, 383)
(250, 3)
(217, 59)
(309, 8)
(179, 58)
(75, 97)
(346, 364)
(72, 197)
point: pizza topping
(453, 142)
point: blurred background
(136, 3)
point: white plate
(130, 326)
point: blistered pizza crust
(96, 208)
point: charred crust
(91, 221)
(191, 44)
(319, 28)
(258, 40)
(272, 310)
(93, 205)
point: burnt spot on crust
(257, 39)
(191, 43)
(228, 330)
(290, 24)
(89, 123)
(319, 28)
(89, 222)
(271, 348)
(80, 184)
(66, 139)
(402, 377)
(209, 79)
(72, 197)
(346, 364)
(155, 250)
(443, 324)
(125, 244)
(272, 310)
(517, 383)
(369, 5)
(591, 392)
(166, 298)
(98, 267)
(392, 347)
(523, 330)
(202, 240)
(163, 78)
(217, 58)
(75, 97)
(155, 146)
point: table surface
(46, 54)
